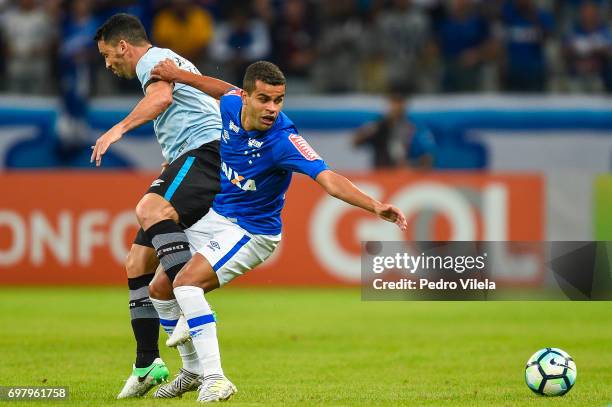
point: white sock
(202, 327)
(169, 313)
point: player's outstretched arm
(158, 98)
(339, 187)
(167, 70)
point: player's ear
(122, 46)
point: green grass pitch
(314, 347)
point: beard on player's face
(121, 67)
(125, 72)
(115, 59)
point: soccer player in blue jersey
(187, 124)
(260, 149)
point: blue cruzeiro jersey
(193, 117)
(256, 168)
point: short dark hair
(263, 71)
(122, 27)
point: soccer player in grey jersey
(187, 125)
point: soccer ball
(550, 372)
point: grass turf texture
(314, 347)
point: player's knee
(146, 211)
(181, 280)
(210, 284)
(155, 291)
(141, 211)
(189, 277)
(151, 210)
(133, 267)
(160, 289)
(185, 277)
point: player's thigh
(161, 286)
(190, 183)
(197, 271)
(229, 250)
(247, 254)
(140, 260)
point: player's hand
(391, 214)
(103, 143)
(164, 165)
(166, 70)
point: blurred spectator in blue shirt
(464, 42)
(588, 50)
(143, 9)
(525, 31)
(239, 41)
(395, 141)
(77, 51)
(575, 4)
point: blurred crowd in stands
(335, 46)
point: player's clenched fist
(165, 70)
(103, 143)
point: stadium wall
(472, 132)
(76, 227)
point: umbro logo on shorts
(214, 245)
(157, 182)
